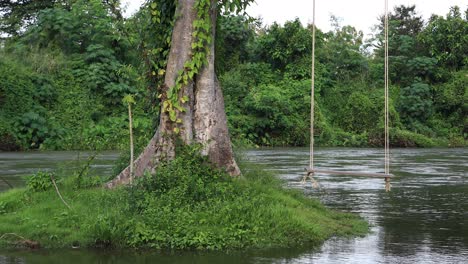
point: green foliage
(452, 98)
(281, 46)
(70, 70)
(416, 103)
(40, 181)
(237, 6)
(17, 15)
(234, 35)
(445, 39)
(189, 175)
(265, 107)
(263, 112)
(341, 53)
(360, 113)
(73, 61)
(152, 27)
(32, 129)
(404, 138)
(25, 98)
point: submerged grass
(186, 205)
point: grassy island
(186, 205)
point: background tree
(16, 15)
(445, 39)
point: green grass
(186, 205)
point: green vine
(161, 25)
(200, 49)
(202, 38)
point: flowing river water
(424, 219)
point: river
(424, 219)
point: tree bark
(204, 120)
(210, 122)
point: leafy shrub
(32, 129)
(416, 103)
(40, 181)
(360, 113)
(405, 138)
(189, 175)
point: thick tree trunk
(210, 122)
(204, 120)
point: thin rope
(387, 141)
(312, 94)
(386, 110)
(310, 175)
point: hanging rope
(310, 175)
(311, 170)
(312, 94)
(387, 141)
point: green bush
(405, 138)
(32, 129)
(40, 181)
(415, 103)
(360, 113)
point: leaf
(172, 115)
(128, 99)
(178, 107)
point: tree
(15, 15)
(232, 41)
(446, 39)
(286, 45)
(416, 104)
(192, 105)
(404, 26)
(341, 52)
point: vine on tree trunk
(161, 26)
(200, 49)
(202, 38)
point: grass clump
(187, 204)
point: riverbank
(188, 205)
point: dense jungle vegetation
(66, 65)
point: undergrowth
(187, 204)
